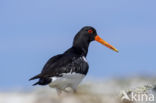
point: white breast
(67, 80)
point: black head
(86, 35)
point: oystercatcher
(68, 69)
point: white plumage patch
(84, 58)
(67, 80)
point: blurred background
(32, 31)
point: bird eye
(90, 31)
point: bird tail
(36, 83)
(42, 80)
(35, 77)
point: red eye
(90, 31)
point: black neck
(79, 49)
(80, 44)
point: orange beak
(100, 40)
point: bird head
(88, 34)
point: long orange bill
(100, 40)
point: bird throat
(81, 47)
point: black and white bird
(68, 69)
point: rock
(144, 94)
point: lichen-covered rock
(143, 94)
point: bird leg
(75, 91)
(70, 90)
(74, 88)
(59, 91)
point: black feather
(43, 81)
(35, 77)
(35, 83)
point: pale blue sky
(31, 31)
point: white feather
(67, 80)
(84, 58)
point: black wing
(50, 62)
(65, 64)
(59, 64)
